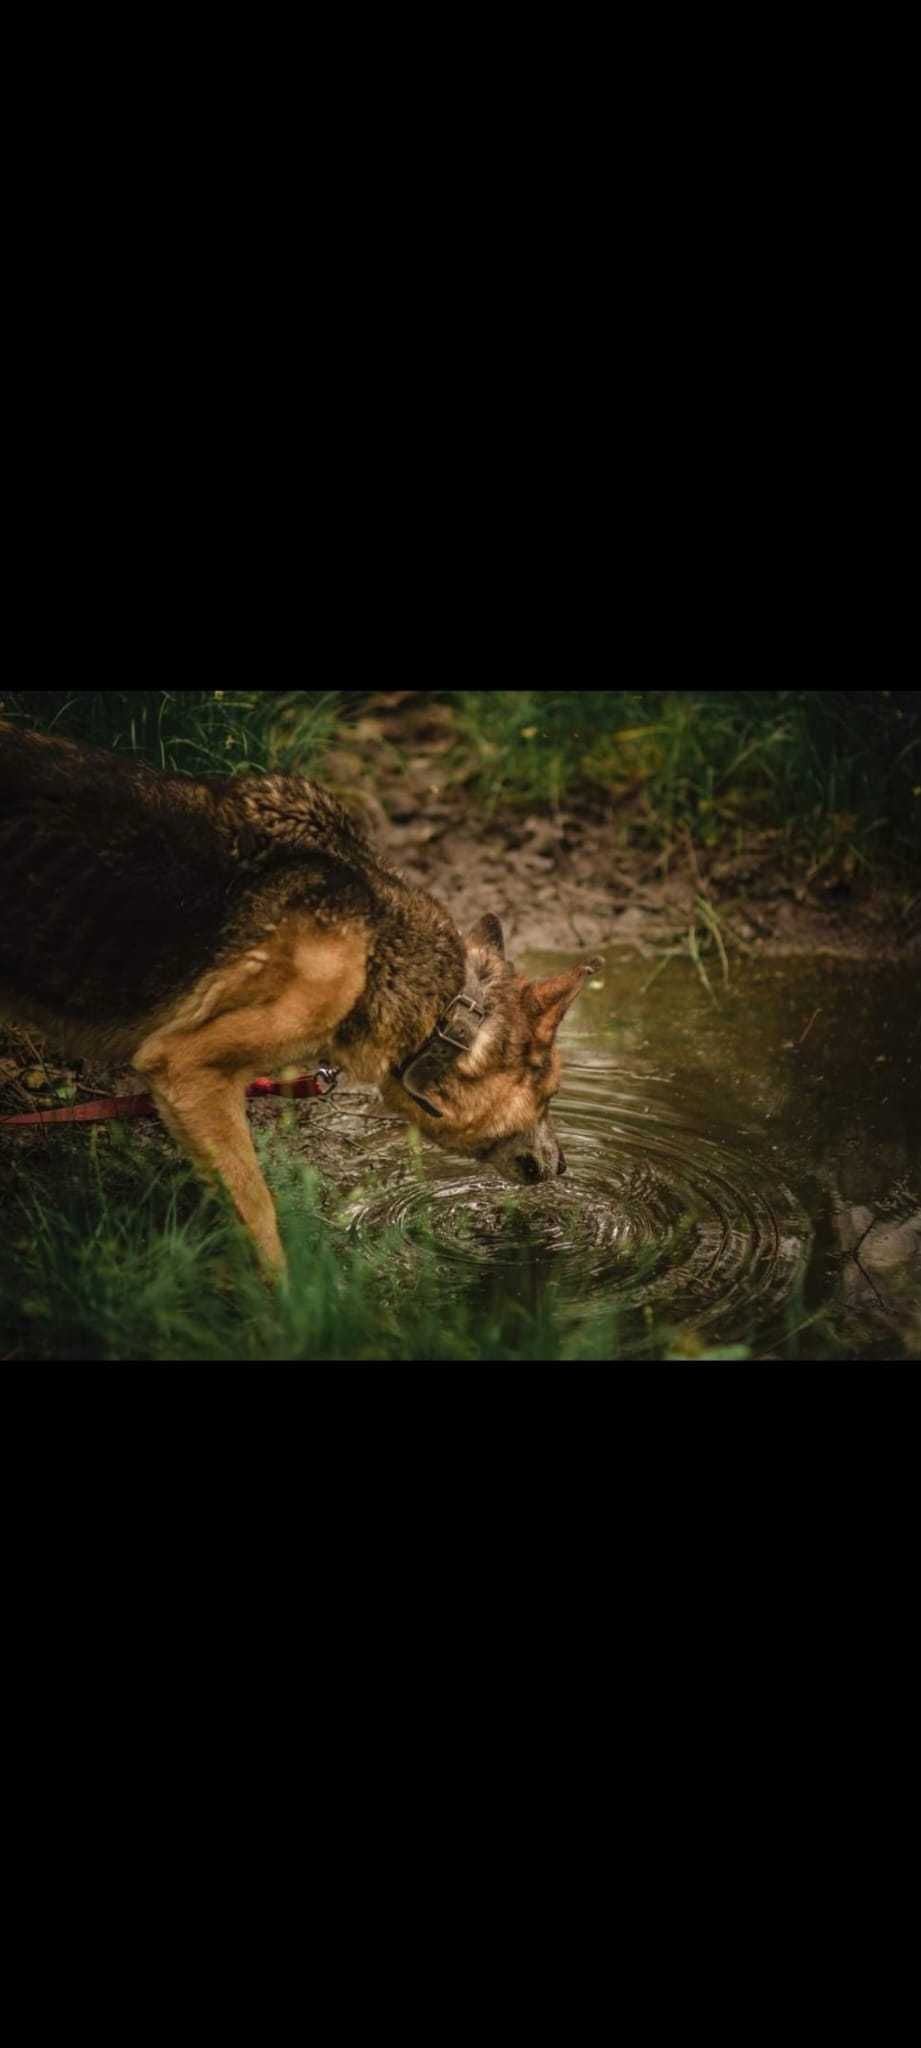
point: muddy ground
(567, 882)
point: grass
(111, 1250)
(203, 732)
(840, 768)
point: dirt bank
(563, 883)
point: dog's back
(113, 883)
(120, 886)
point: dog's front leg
(205, 1111)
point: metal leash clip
(327, 1079)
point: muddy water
(744, 1173)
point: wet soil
(564, 882)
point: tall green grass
(195, 731)
(832, 763)
(112, 1250)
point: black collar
(448, 1026)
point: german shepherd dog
(206, 931)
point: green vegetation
(202, 732)
(112, 1250)
(840, 767)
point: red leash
(321, 1083)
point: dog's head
(489, 1098)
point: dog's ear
(487, 932)
(548, 1001)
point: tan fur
(232, 1027)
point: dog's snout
(530, 1157)
(532, 1167)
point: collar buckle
(462, 1044)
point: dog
(206, 930)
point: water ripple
(661, 1211)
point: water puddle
(744, 1174)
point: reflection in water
(747, 1175)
